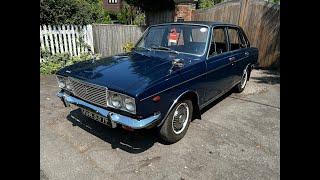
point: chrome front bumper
(114, 117)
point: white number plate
(95, 116)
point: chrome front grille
(90, 92)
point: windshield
(178, 38)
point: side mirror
(177, 63)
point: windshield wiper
(164, 48)
(148, 49)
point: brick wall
(184, 11)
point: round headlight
(61, 84)
(69, 85)
(115, 100)
(129, 104)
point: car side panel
(219, 74)
(240, 63)
(191, 79)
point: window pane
(154, 37)
(233, 39)
(182, 38)
(219, 42)
(199, 35)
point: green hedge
(52, 63)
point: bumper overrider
(113, 117)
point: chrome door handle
(246, 53)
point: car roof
(207, 23)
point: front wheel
(177, 122)
(244, 79)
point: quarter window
(236, 39)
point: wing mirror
(178, 63)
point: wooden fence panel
(259, 19)
(109, 39)
(157, 17)
(66, 39)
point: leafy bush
(76, 12)
(139, 19)
(131, 15)
(127, 47)
(52, 63)
(206, 4)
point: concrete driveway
(237, 138)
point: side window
(243, 40)
(236, 39)
(219, 41)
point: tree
(152, 5)
(77, 12)
(205, 4)
(208, 3)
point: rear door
(238, 46)
(219, 67)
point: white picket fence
(66, 39)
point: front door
(219, 64)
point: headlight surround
(129, 104)
(121, 101)
(64, 83)
(61, 82)
(69, 84)
(116, 100)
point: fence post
(243, 11)
(55, 36)
(90, 37)
(51, 39)
(60, 38)
(41, 39)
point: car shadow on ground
(270, 77)
(209, 106)
(134, 142)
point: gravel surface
(238, 137)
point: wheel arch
(191, 95)
(250, 67)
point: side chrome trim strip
(220, 67)
(217, 96)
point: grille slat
(92, 93)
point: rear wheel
(177, 122)
(244, 79)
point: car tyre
(177, 122)
(244, 79)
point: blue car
(173, 72)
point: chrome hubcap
(180, 118)
(244, 79)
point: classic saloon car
(174, 71)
